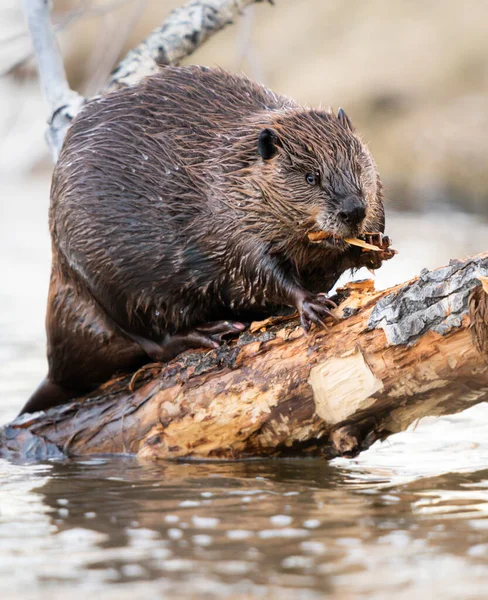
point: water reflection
(288, 528)
(395, 521)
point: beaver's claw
(216, 331)
(313, 309)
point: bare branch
(63, 102)
(181, 34)
(62, 23)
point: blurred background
(408, 518)
(412, 74)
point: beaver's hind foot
(208, 335)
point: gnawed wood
(347, 376)
(418, 349)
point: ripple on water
(405, 518)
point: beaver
(180, 207)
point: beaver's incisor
(184, 201)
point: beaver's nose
(352, 211)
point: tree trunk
(417, 349)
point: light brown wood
(395, 356)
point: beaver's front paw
(313, 309)
(373, 259)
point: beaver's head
(314, 173)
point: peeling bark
(395, 356)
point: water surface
(408, 518)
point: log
(395, 356)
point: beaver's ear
(268, 143)
(344, 120)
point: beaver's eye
(310, 178)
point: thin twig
(63, 102)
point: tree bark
(394, 357)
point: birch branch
(63, 103)
(181, 34)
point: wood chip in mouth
(362, 244)
(318, 236)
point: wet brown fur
(164, 216)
